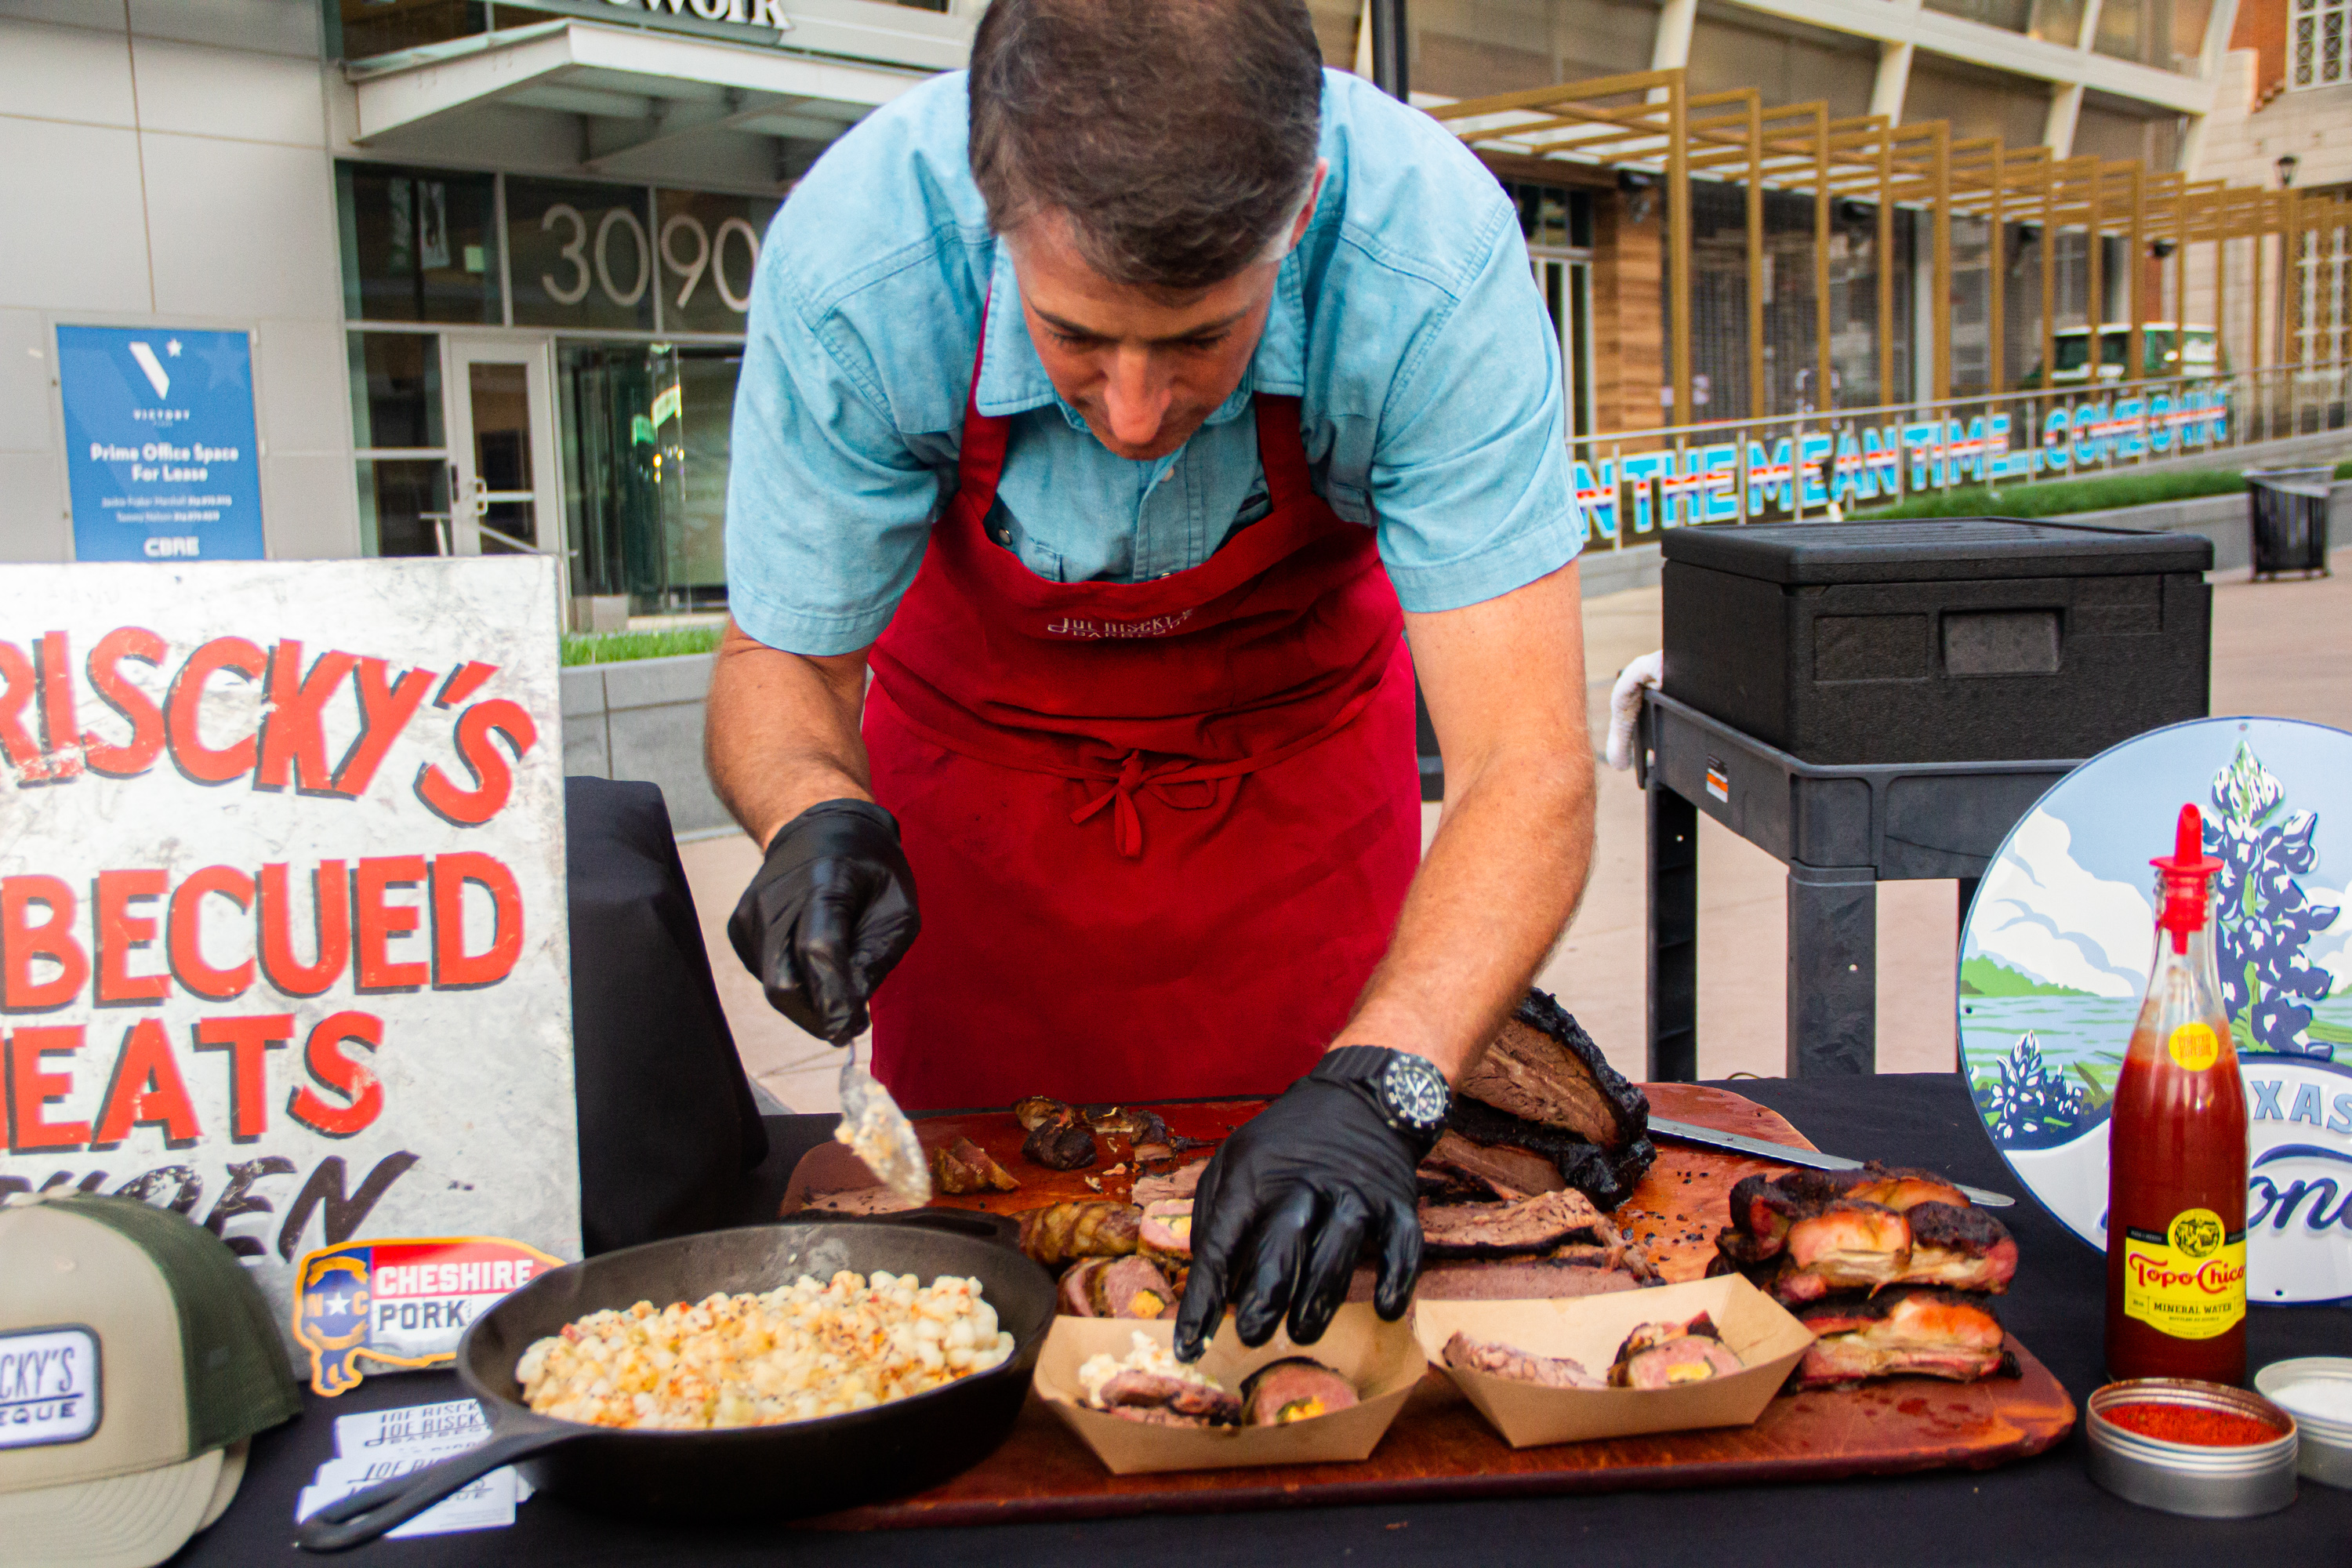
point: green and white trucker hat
(135, 1360)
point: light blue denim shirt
(1406, 322)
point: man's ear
(1307, 208)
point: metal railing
(1839, 462)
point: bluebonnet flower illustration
(2265, 920)
(2028, 1106)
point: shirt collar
(1012, 380)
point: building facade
(492, 261)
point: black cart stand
(1840, 830)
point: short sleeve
(1470, 476)
(827, 506)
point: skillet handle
(361, 1517)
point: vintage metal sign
(282, 934)
(2055, 957)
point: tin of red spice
(2193, 1424)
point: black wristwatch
(1408, 1091)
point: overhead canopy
(624, 102)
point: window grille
(2318, 44)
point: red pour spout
(2188, 873)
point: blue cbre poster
(160, 444)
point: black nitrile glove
(1297, 1194)
(831, 912)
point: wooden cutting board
(1440, 1448)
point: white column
(1672, 46)
(1893, 82)
(2065, 107)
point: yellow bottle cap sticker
(2194, 1046)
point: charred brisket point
(1607, 1177)
(1543, 1067)
(1060, 1146)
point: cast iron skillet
(803, 1466)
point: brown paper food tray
(1381, 1360)
(1440, 1448)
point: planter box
(642, 719)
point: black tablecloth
(2042, 1511)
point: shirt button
(1004, 536)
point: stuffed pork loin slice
(1294, 1388)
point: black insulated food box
(1938, 640)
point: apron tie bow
(1118, 794)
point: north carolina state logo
(402, 1302)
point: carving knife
(1740, 1143)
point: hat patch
(48, 1386)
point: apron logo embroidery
(1157, 627)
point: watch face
(1415, 1091)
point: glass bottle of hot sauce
(2177, 1152)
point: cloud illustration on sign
(2041, 914)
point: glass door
(1566, 285)
(501, 448)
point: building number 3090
(589, 255)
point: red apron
(1160, 831)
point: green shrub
(2056, 498)
(615, 647)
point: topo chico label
(2195, 1046)
(2187, 1281)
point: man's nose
(1136, 396)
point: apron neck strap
(1280, 451)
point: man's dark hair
(1177, 135)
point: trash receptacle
(2287, 510)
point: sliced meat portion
(1763, 1207)
(1035, 1111)
(1166, 1229)
(1543, 1067)
(1905, 1332)
(1501, 1172)
(1848, 1246)
(1074, 1296)
(1903, 1189)
(1158, 1185)
(1293, 1389)
(1962, 1249)
(1515, 1279)
(1499, 1230)
(963, 1166)
(1130, 1288)
(1084, 1227)
(1662, 1355)
(1060, 1146)
(1499, 1360)
(1142, 1391)
(1607, 1176)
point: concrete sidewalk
(2282, 648)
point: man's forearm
(781, 732)
(1505, 683)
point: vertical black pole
(1673, 935)
(1392, 47)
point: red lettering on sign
(493, 777)
(57, 726)
(17, 686)
(31, 1091)
(146, 720)
(121, 933)
(333, 1070)
(146, 1089)
(248, 1042)
(330, 929)
(378, 922)
(386, 709)
(294, 735)
(185, 942)
(453, 969)
(208, 764)
(22, 941)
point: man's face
(1143, 368)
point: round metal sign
(2055, 955)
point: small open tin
(2189, 1478)
(2325, 1454)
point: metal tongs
(878, 1132)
